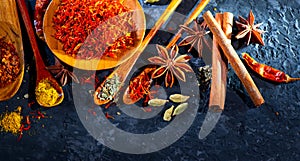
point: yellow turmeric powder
(11, 121)
(46, 93)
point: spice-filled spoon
(48, 92)
(123, 70)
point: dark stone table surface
(270, 132)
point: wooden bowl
(12, 34)
(104, 62)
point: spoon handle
(29, 28)
(124, 69)
(196, 11)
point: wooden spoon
(123, 70)
(42, 72)
(94, 64)
(10, 28)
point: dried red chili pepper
(39, 12)
(267, 72)
(75, 20)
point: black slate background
(243, 132)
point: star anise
(62, 74)
(248, 30)
(196, 36)
(170, 64)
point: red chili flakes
(111, 29)
(108, 116)
(30, 104)
(27, 120)
(109, 104)
(140, 85)
(9, 63)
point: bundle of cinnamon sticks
(223, 52)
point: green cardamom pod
(178, 98)
(180, 108)
(157, 102)
(168, 114)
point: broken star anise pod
(196, 36)
(62, 74)
(170, 65)
(248, 30)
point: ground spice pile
(11, 121)
(46, 93)
(76, 20)
(9, 63)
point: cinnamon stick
(219, 71)
(233, 59)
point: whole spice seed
(75, 20)
(11, 121)
(171, 64)
(196, 37)
(180, 108)
(168, 114)
(268, 72)
(9, 63)
(109, 88)
(46, 93)
(248, 30)
(62, 73)
(178, 98)
(157, 102)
